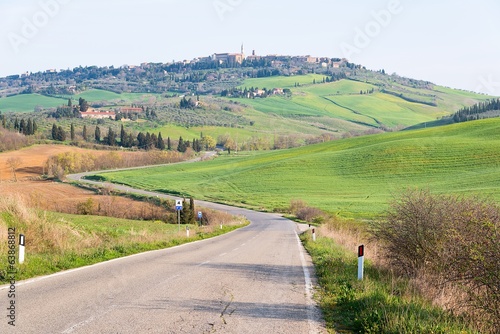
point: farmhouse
(98, 114)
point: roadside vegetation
(432, 266)
(57, 241)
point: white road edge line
(312, 316)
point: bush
(86, 208)
(453, 240)
(309, 214)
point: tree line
(26, 127)
(143, 140)
(477, 111)
(70, 110)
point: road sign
(178, 204)
(200, 214)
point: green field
(93, 95)
(28, 102)
(352, 177)
(342, 100)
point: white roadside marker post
(187, 231)
(21, 248)
(361, 262)
(314, 234)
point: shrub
(452, 240)
(309, 214)
(86, 208)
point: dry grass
(45, 236)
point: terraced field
(353, 177)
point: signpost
(200, 215)
(178, 208)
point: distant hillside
(293, 101)
(351, 177)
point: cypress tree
(97, 134)
(61, 134)
(72, 132)
(84, 132)
(192, 216)
(29, 127)
(161, 143)
(123, 136)
(22, 127)
(54, 131)
(181, 146)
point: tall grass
(57, 241)
(381, 303)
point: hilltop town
(200, 75)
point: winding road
(257, 279)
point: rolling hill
(353, 177)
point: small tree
(14, 163)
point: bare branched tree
(14, 163)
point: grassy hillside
(28, 102)
(352, 177)
(348, 101)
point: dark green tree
(181, 146)
(72, 132)
(111, 137)
(161, 143)
(84, 105)
(184, 214)
(192, 215)
(123, 136)
(22, 127)
(84, 132)
(141, 141)
(29, 127)
(61, 134)
(97, 134)
(54, 131)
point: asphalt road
(257, 279)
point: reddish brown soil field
(56, 196)
(32, 160)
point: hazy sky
(453, 43)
